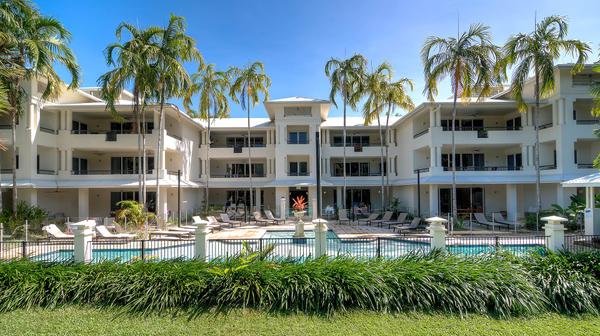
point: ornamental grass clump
(498, 285)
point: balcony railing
(298, 142)
(106, 172)
(357, 175)
(46, 172)
(483, 168)
(236, 175)
(486, 128)
(587, 122)
(48, 130)
(6, 171)
(174, 136)
(421, 170)
(548, 167)
(238, 146)
(544, 126)
(298, 174)
(585, 165)
(107, 131)
(423, 132)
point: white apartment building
(76, 160)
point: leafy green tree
(246, 87)
(345, 77)
(595, 91)
(172, 80)
(469, 61)
(31, 44)
(536, 52)
(374, 86)
(134, 213)
(212, 86)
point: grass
(89, 321)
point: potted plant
(299, 207)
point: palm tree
(469, 60)
(131, 62)
(213, 87)
(174, 47)
(31, 46)
(374, 87)
(395, 96)
(536, 52)
(595, 91)
(247, 85)
(345, 77)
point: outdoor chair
(225, 219)
(399, 220)
(54, 232)
(105, 234)
(413, 226)
(387, 216)
(343, 216)
(368, 220)
(259, 219)
(273, 218)
(498, 217)
(480, 218)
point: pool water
(290, 234)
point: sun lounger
(498, 217)
(368, 220)
(54, 232)
(343, 216)
(399, 220)
(273, 218)
(259, 219)
(105, 234)
(387, 216)
(413, 226)
(480, 218)
(170, 233)
(225, 219)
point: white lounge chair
(53, 231)
(343, 216)
(225, 219)
(369, 219)
(480, 218)
(259, 219)
(498, 217)
(273, 218)
(414, 225)
(104, 233)
(399, 220)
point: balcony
(46, 172)
(585, 165)
(421, 133)
(48, 130)
(587, 122)
(107, 172)
(484, 168)
(237, 175)
(548, 166)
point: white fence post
(555, 231)
(201, 240)
(437, 232)
(320, 237)
(282, 207)
(83, 232)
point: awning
(592, 180)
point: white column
(201, 242)
(568, 108)
(511, 202)
(437, 231)
(555, 231)
(433, 200)
(338, 197)
(320, 237)
(83, 203)
(69, 121)
(281, 194)
(258, 199)
(312, 195)
(162, 205)
(83, 232)
(560, 104)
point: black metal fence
(42, 250)
(582, 243)
(280, 247)
(148, 250)
(476, 244)
(387, 247)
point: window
(118, 196)
(514, 161)
(464, 161)
(513, 124)
(296, 111)
(79, 166)
(128, 165)
(79, 127)
(352, 140)
(462, 125)
(358, 198)
(298, 138)
(241, 170)
(298, 169)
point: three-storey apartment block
(75, 160)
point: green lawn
(87, 321)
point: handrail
(544, 126)
(485, 128)
(106, 172)
(5, 127)
(421, 170)
(548, 167)
(236, 175)
(103, 132)
(587, 122)
(483, 168)
(585, 165)
(244, 146)
(48, 130)
(46, 172)
(421, 133)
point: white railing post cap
(436, 220)
(551, 219)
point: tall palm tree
(395, 96)
(469, 60)
(246, 87)
(536, 52)
(213, 88)
(595, 91)
(345, 77)
(31, 45)
(131, 62)
(174, 47)
(374, 87)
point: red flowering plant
(299, 204)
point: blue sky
(294, 39)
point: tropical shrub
(14, 223)
(133, 212)
(500, 285)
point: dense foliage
(14, 221)
(499, 285)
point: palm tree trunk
(207, 162)
(159, 152)
(537, 152)
(344, 150)
(136, 128)
(387, 155)
(453, 159)
(13, 128)
(249, 155)
(382, 168)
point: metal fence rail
(282, 247)
(472, 245)
(42, 250)
(582, 243)
(387, 247)
(148, 250)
